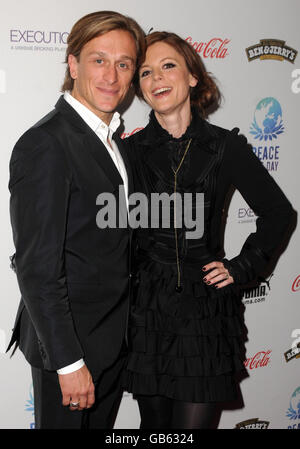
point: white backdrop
(32, 39)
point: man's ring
(74, 404)
(227, 276)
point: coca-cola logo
(214, 48)
(259, 360)
(124, 135)
(296, 284)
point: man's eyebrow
(99, 53)
(130, 58)
(103, 54)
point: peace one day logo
(29, 406)
(267, 126)
(293, 412)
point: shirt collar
(91, 119)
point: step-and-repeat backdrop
(252, 48)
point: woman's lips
(161, 91)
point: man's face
(103, 74)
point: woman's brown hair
(205, 95)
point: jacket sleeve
(40, 192)
(266, 199)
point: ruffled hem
(155, 342)
(190, 389)
(214, 326)
(183, 366)
(186, 346)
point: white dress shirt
(104, 132)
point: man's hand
(77, 387)
(218, 276)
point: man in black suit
(73, 275)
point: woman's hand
(218, 276)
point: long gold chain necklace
(178, 286)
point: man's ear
(73, 66)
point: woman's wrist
(235, 271)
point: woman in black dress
(185, 329)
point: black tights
(158, 412)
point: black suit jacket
(73, 276)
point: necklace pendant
(178, 288)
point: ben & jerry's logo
(253, 423)
(294, 352)
(271, 49)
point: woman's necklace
(178, 286)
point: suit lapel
(91, 143)
(103, 159)
(125, 158)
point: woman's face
(165, 80)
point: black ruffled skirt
(186, 346)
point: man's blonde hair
(97, 24)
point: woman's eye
(169, 65)
(144, 73)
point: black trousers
(51, 414)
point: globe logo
(29, 407)
(267, 124)
(294, 409)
